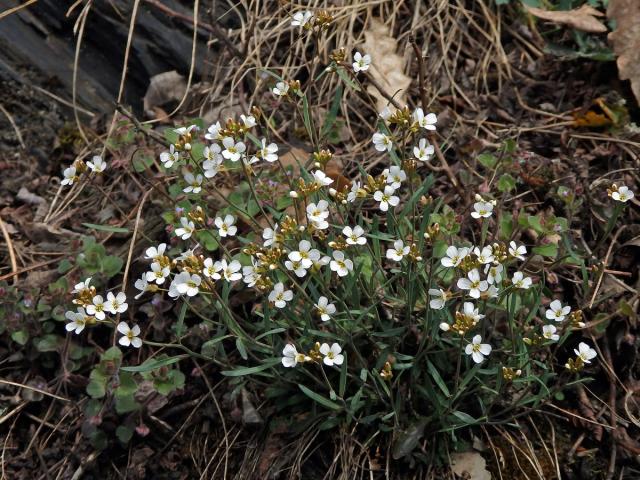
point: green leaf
(124, 434)
(20, 337)
(487, 160)
(48, 343)
(111, 265)
(150, 365)
(106, 228)
(96, 388)
(437, 378)
(319, 398)
(64, 266)
(506, 183)
(548, 250)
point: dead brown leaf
(625, 40)
(583, 18)
(470, 465)
(387, 67)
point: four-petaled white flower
(395, 176)
(82, 286)
(398, 251)
(170, 157)
(520, 281)
(386, 198)
(332, 354)
(97, 307)
(116, 303)
(477, 349)
(300, 19)
(187, 229)
(142, 285)
(209, 269)
(454, 256)
(325, 309)
(226, 227)
(130, 336)
(317, 214)
(186, 283)
(297, 267)
(423, 151)
(381, 142)
(213, 160)
(271, 237)
(158, 273)
(229, 271)
(341, 265)
(321, 179)
(439, 299)
(517, 251)
(557, 312)
(623, 194)
(473, 284)
(248, 120)
(69, 175)
(77, 320)
(232, 150)
(471, 312)
(494, 273)
(279, 296)
(549, 332)
(153, 253)
(305, 254)
(268, 153)
(355, 235)
(428, 121)
(291, 357)
(194, 183)
(213, 132)
(281, 89)
(361, 62)
(482, 210)
(97, 164)
(585, 352)
(250, 274)
(485, 255)
(356, 192)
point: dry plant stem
(13, 124)
(145, 131)
(612, 406)
(12, 254)
(15, 9)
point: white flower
(82, 286)
(395, 176)
(386, 113)
(213, 160)
(230, 271)
(281, 89)
(517, 251)
(398, 251)
(427, 122)
(494, 273)
(305, 254)
(485, 255)
(321, 262)
(332, 354)
(116, 303)
(318, 213)
(585, 352)
(77, 320)
(300, 19)
(250, 275)
(381, 142)
(142, 285)
(356, 192)
(423, 151)
(482, 210)
(341, 265)
(557, 312)
(209, 269)
(130, 336)
(320, 178)
(194, 183)
(187, 229)
(549, 332)
(213, 132)
(473, 284)
(186, 283)
(97, 308)
(232, 150)
(296, 266)
(291, 357)
(361, 62)
(279, 296)
(471, 313)
(269, 152)
(226, 227)
(69, 176)
(170, 157)
(270, 236)
(445, 327)
(520, 281)
(439, 299)
(97, 165)
(477, 350)
(454, 256)
(623, 194)
(325, 309)
(248, 120)
(158, 273)
(153, 253)
(386, 198)
(184, 130)
(355, 235)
